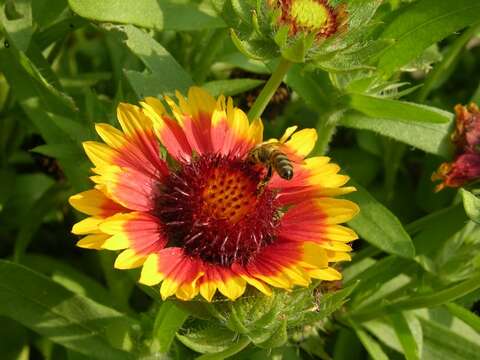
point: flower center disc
(229, 196)
(309, 14)
(212, 209)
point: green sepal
(255, 48)
(208, 338)
(298, 50)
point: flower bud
(313, 31)
(316, 17)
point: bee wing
(292, 156)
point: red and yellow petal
(318, 221)
(231, 131)
(315, 177)
(136, 147)
(327, 274)
(101, 155)
(95, 203)
(177, 272)
(144, 150)
(223, 279)
(301, 143)
(93, 241)
(195, 117)
(132, 189)
(278, 265)
(140, 232)
(169, 132)
(284, 265)
(205, 125)
(87, 226)
(297, 145)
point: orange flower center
(229, 196)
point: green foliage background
(384, 113)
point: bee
(271, 155)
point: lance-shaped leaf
(71, 320)
(429, 137)
(377, 225)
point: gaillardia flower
(466, 138)
(201, 218)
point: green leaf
(375, 278)
(240, 344)
(232, 86)
(429, 137)
(25, 192)
(120, 286)
(47, 11)
(68, 276)
(360, 57)
(239, 60)
(405, 336)
(164, 74)
(443, 342)
(377, 107)
(58, 30)
(329, 303)
(377, 225)
(422, 24)
(314, 87)
(442, 71)
(7, 183)
(19, 30)
(60, 151)
(280, 337)
(439, 226)
(388, 332)
(347, 346)
(169, 319)
(373, 347)
(50, 200)
(210, 339)
(429, 300)
(14, 344)
(71, 320)
(158, 14)
(469, 317)
(29, 82)
(471, 205)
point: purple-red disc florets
(213, 208)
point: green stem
(449, 59)
(269, 89)
(325, 131)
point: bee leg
(267, 177)
(265, 180)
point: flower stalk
(269, 89)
